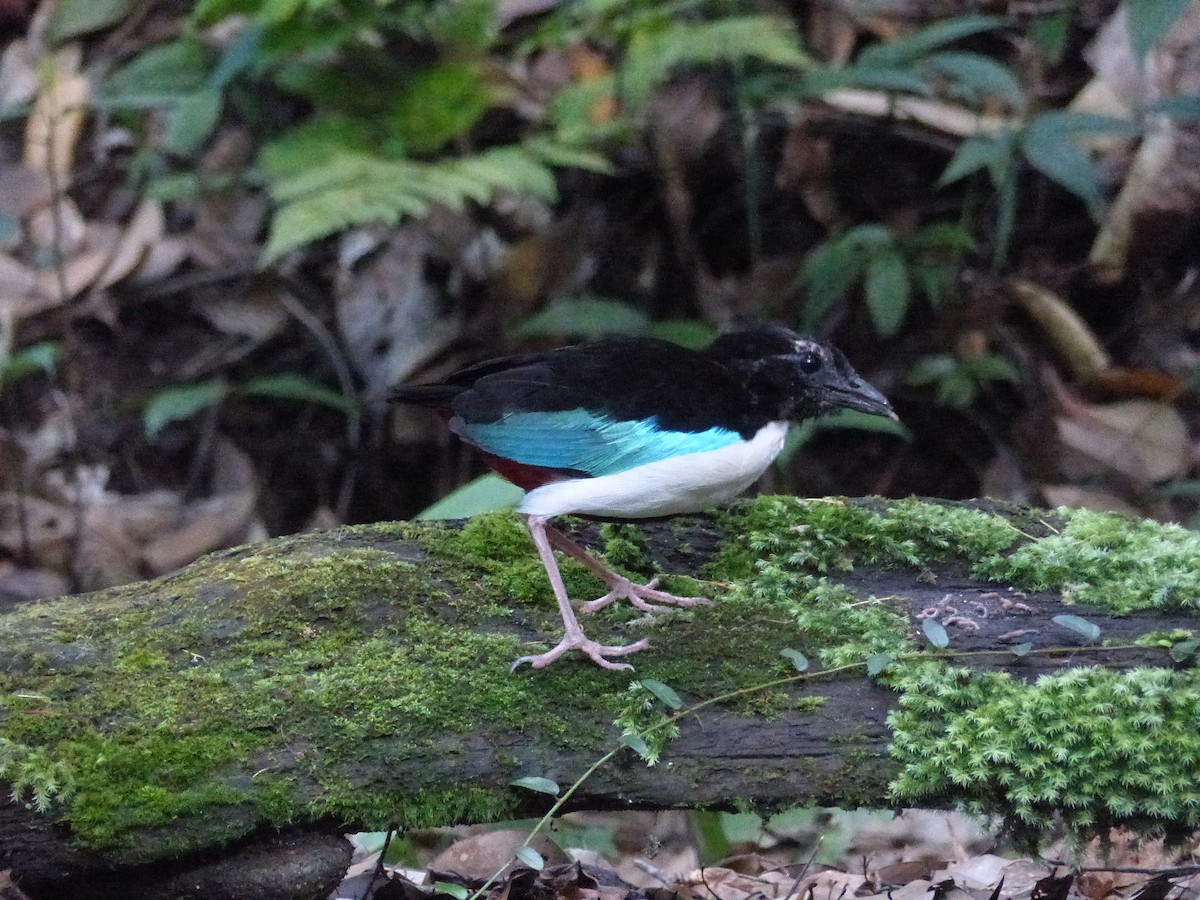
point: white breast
(683, 484)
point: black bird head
(796, 378)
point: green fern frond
(353, 188)
(654, 54)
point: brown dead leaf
(1161, 190)
(685, 115)
(163, 257)
(105, 555)
(80, 271)
(1088, 498)
(587, 66)
(213, 522)
(390, 317)
(508, 11)
(8, 890)
(20, 585)
(143, 230)
(1145, 441)
(977, 873)
(22, 190)
(18, 73)
(17, 281)
(57, 118)
(35, 530)
(831, 33)
(829, 885)
(57, 230)
(1095, 885)
(907, 871)
(481, 855)
(1063, 328)
(256, 313)
(918, 889)
(806, 171)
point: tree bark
(357, 678)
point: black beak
(858, 395)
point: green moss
(1108, 560)
(153, 702)
(626, 547)
(830, 535)
(1100, 746)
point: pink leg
(573, 638)
(620, 587)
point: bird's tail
(433, 395)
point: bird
(634, 428)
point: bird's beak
(860, 396)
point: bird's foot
(593, 650)
(640, 595)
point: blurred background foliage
(227, 228)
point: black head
(794, 377)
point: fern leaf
(653, 55)
(353, 188)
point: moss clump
(1108, 560)
(832, 534)
(1105, 559)
(626, 547)
(1103, 747)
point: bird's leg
(573, 638)
(619, 587)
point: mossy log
(359, 678)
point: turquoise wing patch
(587, 442)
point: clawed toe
(593, 650)
(639, 596)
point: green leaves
(1049, 143)
(483, 494)
(924, 41)
(178, 403)
(175, 404)
(536, 783)
(41, 357)
(1087, 630)
(887, 266)
(183, 80)
(961, 379)
(664, 693)
(1150, 20)
(935, 633)
(916, 64)
(531, 858)
(877, 663)
(73, 18)
(637, 744)
(799, 660)
(657, 50)
(592, 317)
(345, 187)
(886, 288)
(975, 77)
(440, 103)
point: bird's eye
(809, 362)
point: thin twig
(345, 379)
(68, 372)
(379, 871)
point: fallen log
(359, 678)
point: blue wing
(585, 441)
